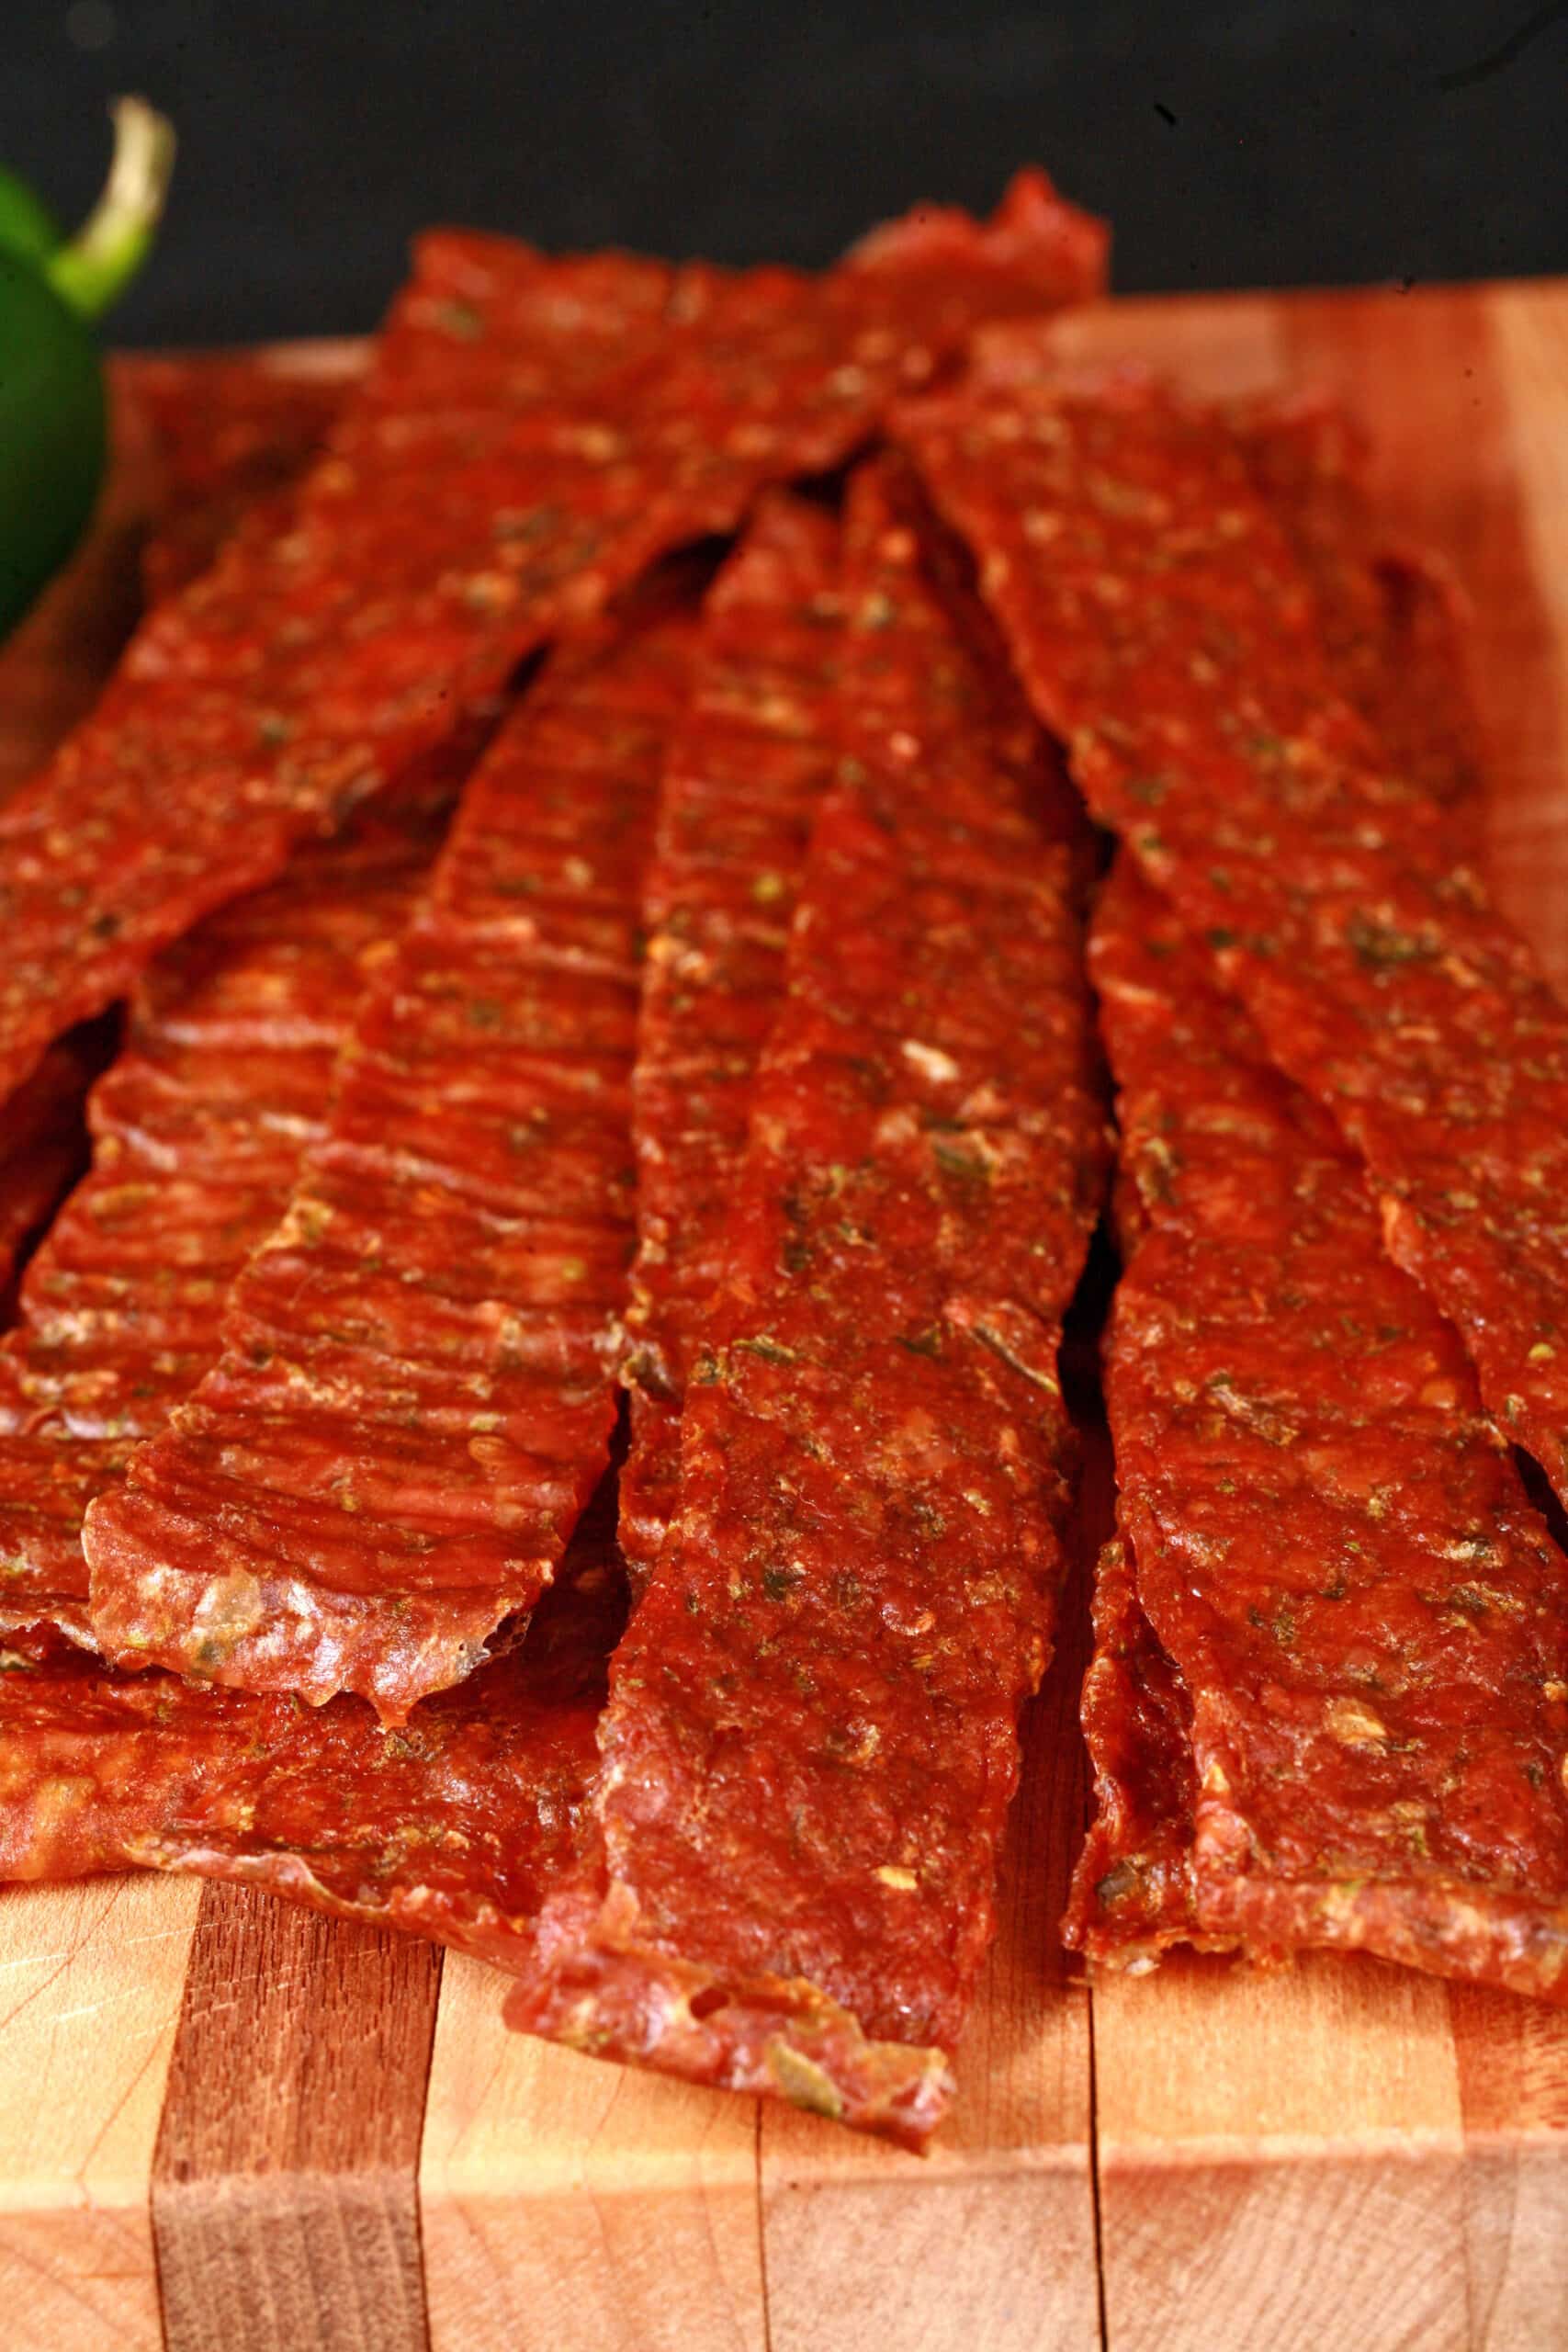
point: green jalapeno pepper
(53, 413)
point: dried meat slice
(416, 1396)
(306, 667)
(228, 430)
(1163, 629)
(745, 769)
(1390, 616)
(1133, 1894)
(1389, 627)
(1333, 1549)
(453, 1828)
(196, 1130)
(233, 433)
(45, 1146)
(811, 1737)
(530, 434)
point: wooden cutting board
(226, 2122)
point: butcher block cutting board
(225, 2122)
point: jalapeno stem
(94, 268)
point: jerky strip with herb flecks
(1389, 627)
(415, 1394)
(1333, 1550)
(44, 1148)
(745, 772)
(196, 1131)
(1390, 616)
(811, 1736)
(233, 433)
(1163, 629)
(531, 434)
(453, 1828)
(228, 431)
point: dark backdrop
(1280, 141)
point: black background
(1309, 142)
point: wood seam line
(1094, 2178)
(1083, 1565)
(761, 2231)
(285, 2173)
(416, 2153)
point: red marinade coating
(454, 1827)
(1163, 629)
(745, 771)
(1389, 627)
(196, 1128)
(1390, 616)
(416, 1396)
(1334, 1547)
(44, 1146)
(306, 666)
(530, 435)
(229, 430)
(1133, 1893)
(233, 431)
(811, 1737)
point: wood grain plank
(579, 2205)
(284, 2203)
(90, 1981)
(1278, 2152)
(1217, 344)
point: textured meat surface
(1390, 618)
(226, 431)
(1389, 626)
(1132, 1893)
(1165, 631)
(811, 1738)
(43, 1149)
(1333, 1546)
(745, 769)
(233, 433)
(530, 434)
(196, 1130)
(416, 1396)
(454, 1827)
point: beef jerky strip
(810, 1741)
(44, 1149)
(1390, 616)
(416, 1396)
(227, 430)
(305, 667)
(197, 1129)
(331, 1614)
(1334, 1548)
(1164, 630)
(231, 433)
(1133, 1895)
(1388, 625)
(452, 1827)
(744, 775)
(530, 435)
